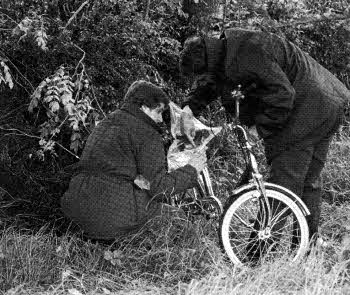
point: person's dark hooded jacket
(102, 197)
(290, 97)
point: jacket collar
(138, 113)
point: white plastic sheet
(181, 150)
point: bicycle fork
(258, 180)
(206, 188)
(260, 186)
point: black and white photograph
(182, 147)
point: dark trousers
(299, 169)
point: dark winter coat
(290, 98)
(102, 197)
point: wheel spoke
(243, 221)
(276, 217)
(280, 230)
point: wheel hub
(264, 233)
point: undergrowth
(173, 255)
(170, 255)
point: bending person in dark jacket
(295, 103)
(102, 197)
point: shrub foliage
(65, 64)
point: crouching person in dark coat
(294, 102)
(102, 198)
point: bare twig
(80, 79)
(82, 71)
(98, 104)
(8, 114)
(59, 127)
(22, 133)
(9, 17)
(95, 99)
(75, 14)
(83, 57)
(2, 190)
(68, 151)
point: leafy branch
(32, 27)
(68, 105)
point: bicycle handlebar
(237, 96)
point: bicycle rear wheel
(246, 239)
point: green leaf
(74, 123)
(41, 39)
(49, 98)
(75, 136)
(66, 98)
(55, 131)
(54, 106)
(75, 145)
(33, 104)
(52, 91)
(56, 79)
(53, 88)
(8, 77)
(69, 107)
(2, 78)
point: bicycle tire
(231, 234)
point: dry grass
(172, 255)
(169, 256)
(336, 174)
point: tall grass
(168, 256)
(172, 255)
(336, 174)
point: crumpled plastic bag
(181, 150)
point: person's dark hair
(193, 56)
(145, 93)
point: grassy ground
(175, 256)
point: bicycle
(260, 220)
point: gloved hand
(187, 125)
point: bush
(65, 64)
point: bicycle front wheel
(247, 237)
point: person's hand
(187, 125)
(199, 160)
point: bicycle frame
(205, 189)
(250, 208)
(256, 176)
(252, 164)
